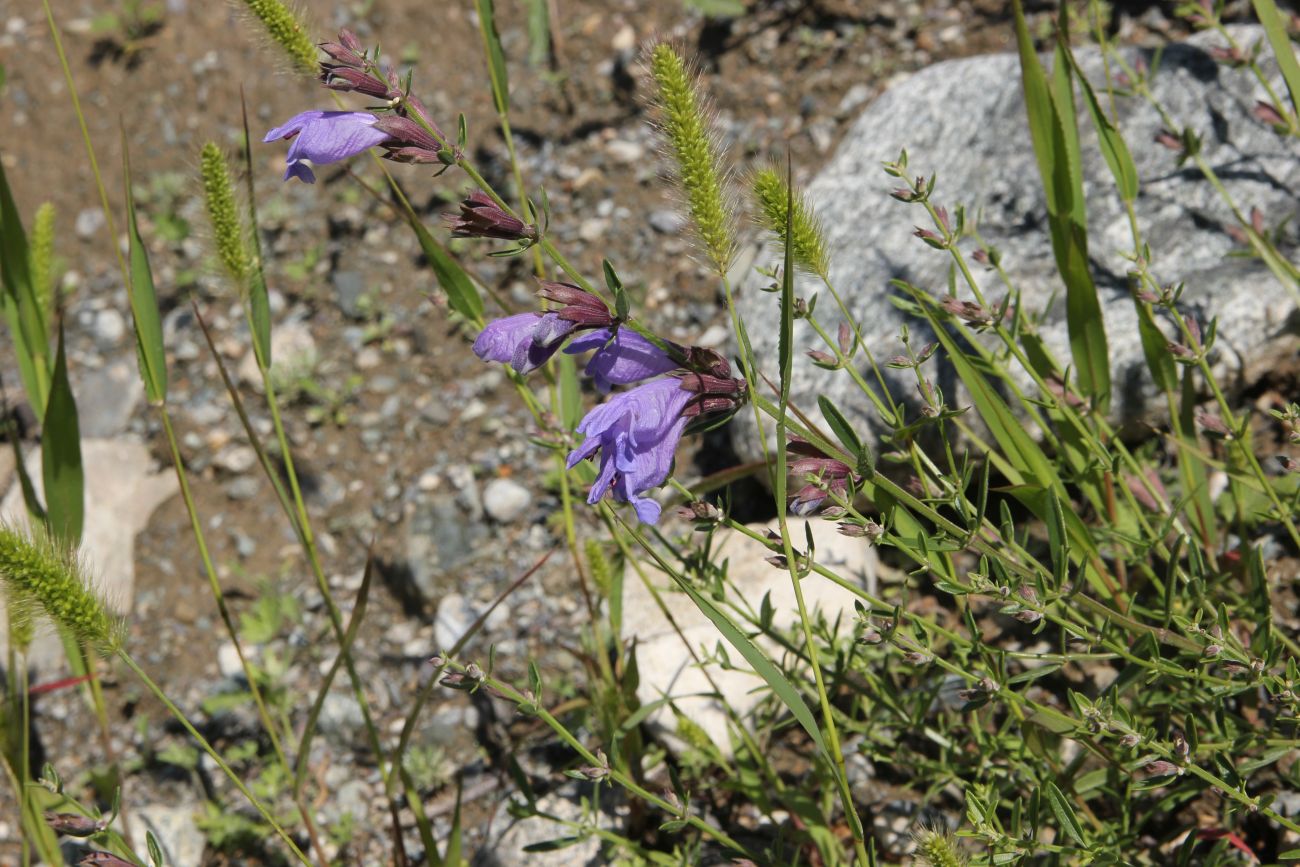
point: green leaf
(144, 301)
(1113, 148)
(566, 367)
(65, 480)
(616, 289)
(155, 852)
(1290, 855)
(23, 310)
(452, 857)
(461, 292)
(539, 32)
(718, 8)
(1053, 129)
(1064, 812)
(839, 425)
(487, 26)
(1023, 455)
(764, 667)
(259, 302)
(1276, 30)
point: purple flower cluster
(636, 432)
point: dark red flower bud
(73, 825)
(481, 217)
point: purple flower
(625, 359)
(325, 137)
(636, 433)
(525, 341)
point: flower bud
(73, 825)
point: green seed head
(42, 259)
(694, 150)
(286, 31)
(807, 239)
(227, 231)
(938, 849)
(39, 576)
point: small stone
(350, 293)
(624, 41)
(109, 327)
(369, 358)
(624, 151)
(593, 229)
(228, 663)
(236, 459)
(505, 500)
(89, 222)
(456, 614)
(243, 488)
(666, 221)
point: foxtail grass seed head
(688, 136)
(938, 849)
(287, 31)
(807, 238)
(41, 577)
(41, 253)
(227, 230)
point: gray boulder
(965, 121)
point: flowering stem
(509, 693)
(212, 753)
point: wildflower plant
(1075, 654)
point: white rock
(228, 663)
(624, 151)
(122, 491)
(506, 500)
(293, 355)
(455, 616)
(236, 459)
(175, 828)
(665, 662)
(110, 327)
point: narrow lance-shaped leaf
(144, 301)
(495, 56)
(23, 310)
(1113, 147)
(65, 481)
(1278, 38)
(1054, 132)
(259, 301)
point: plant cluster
(1041, 549)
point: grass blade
(487, 25)
(144, 301)
(23, 310)
(65, 480)
(259, 302)
(1276, 31)
(1113, 147)
(1054, 131)
(539, 32)
(763, 667)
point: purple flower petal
(636, 433)
(499, 338)
(626, 359)
(326, 137)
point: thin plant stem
(212, 753)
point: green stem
(212, 754)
